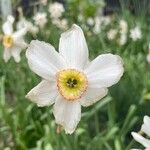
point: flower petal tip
(27, 96)
(69, 132)
(74, 28)
(30, 94)
(133, 133)
(146, 118)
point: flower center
(8, 41)
(71, 84)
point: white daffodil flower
(69, 79)
(111, 34)
(100, 23)
(31, 28)
(136, 33)
(60, 23)
(106, 20)
(44, 2)
(13, 42)
(56, 10)
(40, 19)
(123, 27)
(146, 129)
(90, 21)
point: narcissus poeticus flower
(40, 19)
(13, 42)
(69, 79)
(146, 129)
(136, 33)
(56, 10)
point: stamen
(71, 84)
(7, 41)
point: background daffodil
(13, 42)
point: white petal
(73, 47)
(43, 59)
(146, 126)
(44, 93)
(6, 54)
(141, 140)
(67, 114)
(15, 52)
(7, 27)
(93, 95)
(105, 70)
(11, 19)
(19, 34)
(21, 43)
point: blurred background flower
(40, 19)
